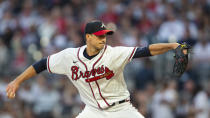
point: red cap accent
(102, 32)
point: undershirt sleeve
(142, 52)
(41, 65)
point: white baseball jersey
(100, 80)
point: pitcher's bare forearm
(14, 85)
(33, 70)
(27, 74)
(160, 48)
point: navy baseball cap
(97, 28)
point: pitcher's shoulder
(70, 51)
(117, 47)
(73, 49)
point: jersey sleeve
(56, 63)
(124, 54)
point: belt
(119, 102)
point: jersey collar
(82, 49)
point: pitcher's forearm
(27, 74)
(160, 48)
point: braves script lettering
(102, 72)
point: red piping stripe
(89, 83)
(132, 53)
(99, 57)
(94, 95)
(96, 81)
(48, 61)
(101, 94)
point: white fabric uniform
(100, 81)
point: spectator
(201, 56)
(39, 28)
(3, 56)
(46, 103)
(201, 103)
(164, 101)
(172, 28)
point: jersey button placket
(87, 78)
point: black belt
(120, 102)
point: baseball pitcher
(96, 70)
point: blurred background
(32, 29)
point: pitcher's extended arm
(27, 74)
(160, 48)
(154, 49)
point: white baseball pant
(124, 110)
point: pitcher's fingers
(8, 87)
(8, 95)
(12, 89)
(11, 95)
(9, 91)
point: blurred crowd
(33, 29)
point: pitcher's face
(98, 42)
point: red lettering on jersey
(93, 71)
(100, 71)
(74, 70)
(108, 75)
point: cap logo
(102, 25)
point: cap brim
(103, 32)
